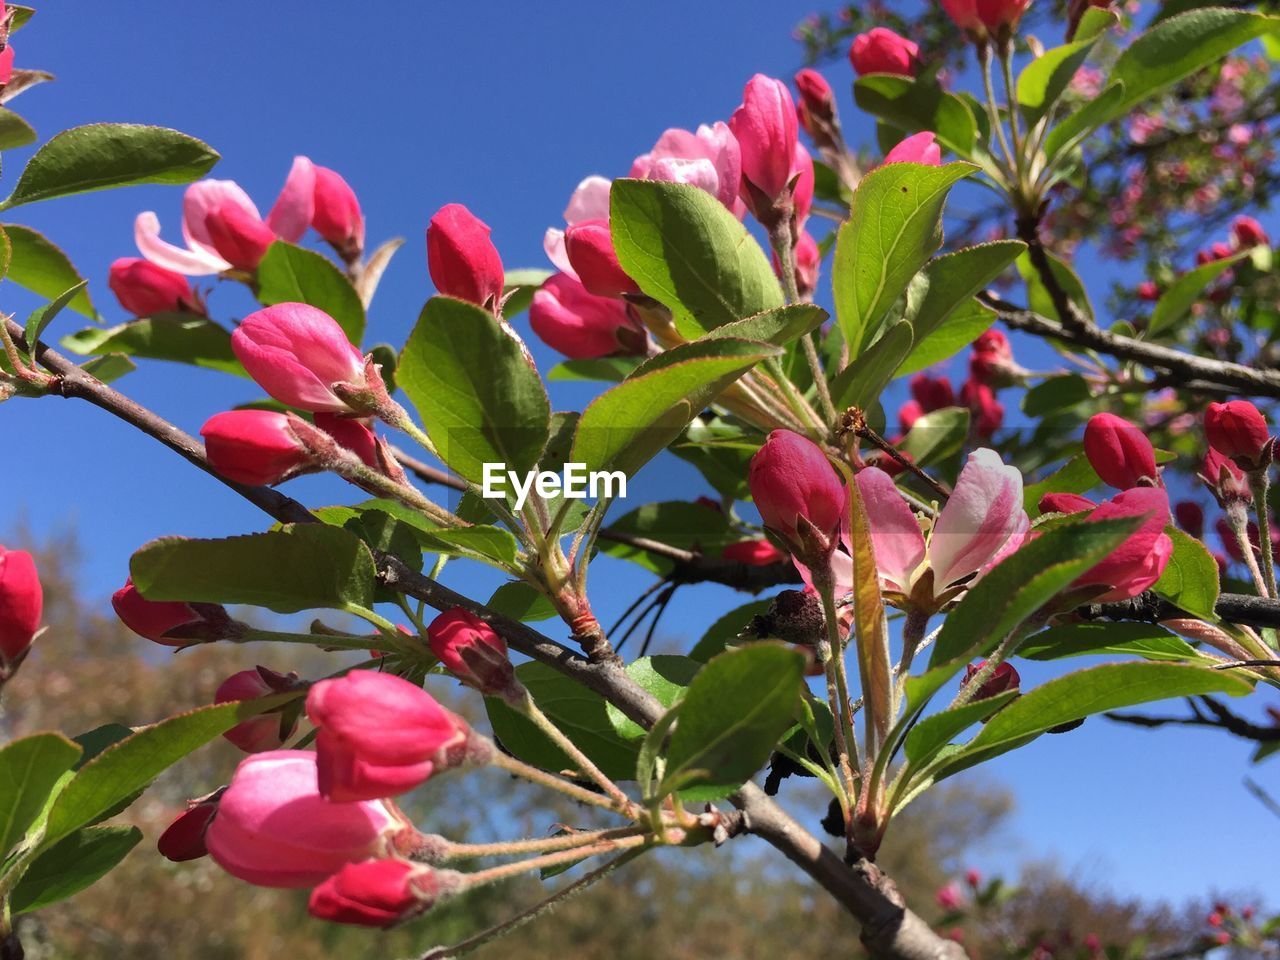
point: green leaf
(291, 274)
(1074, 127)
(731, 718)
(15, 132)
(934, 732)
(129, 766)
(480, 540)
(894, 227)
(176, 337)
(103, 155)
(627, 425)
(71, 865)
(1190, 581)
(949, 282)
(475, 389)
(608, 369)
(862, 381)
(1176, 302)
(1056, 393)
(936, 435)
(916, 105)
(519, 601)
(965, 324)
(30, 768)
(1045, 78)
(727, 628)
(780, 326)
(665, 677)
(43, 268)
(299, 567)
(1038, 297)
(677, 523)
(1146, 640)
(1074, 476)
(689, 253)
(40, 319)
(518, 288)
(109, 367)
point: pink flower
(21, 603)
(799, 495)
(982, 523)
(980, 17)
(254, 447)
(1190, 517)
(337, 216)
(1005, 677)
(1120, 452)
(1147, 291)
(274, 829)
(222, 227)
(581, 325)
(808, 256)
(1138, 562)
(145, 289)
(802, 193)
(590, 201)
(297, 353)
(1065, 503)
(183, 839)
(817, 105)
(589, 247)
(880, 50)
(1248, 232)
(919, 148)
(948, 897)
(987, 412)
(6, 64)
(471, 650)
(754, 553)
(1224, 479)
(1238, 430)
(932, 393)
(765, 126)
(352, 433)
(266, 731)
(709, 158)
(379, 893)
(170, 622)
(380, 736)
(461, 258)
(973, 878)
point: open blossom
(379, 893)
(380, 736)
(880, 50)
(590, 201)
(265, 731)
(222, 227)
(21, 603)
(709, 158)
(574, 321)
(143, 288)
(919, 148)
(170, 622)
(274, 829)
(982, 523)
(1119, 452)
(461, 258)
(297, 353)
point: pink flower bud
(297, 353)
(581, 325)
(1001, 14)
(908, 414)
(336, 215)
(352, 433)
(183, 839)
(991, 361)
(1238, 430)
(880, 50)
(1119, 452)
(765, 127)
(817, 103)
(799, 495)
(987, 412)
(274, 829)
(144, 288)
(1147, 291)
(1224, 479)
(266, 731)
(471, 650)
(461, 258)
(948, 897)
(1005, 677)
(380, 736)
(1140, 560)
(802, 192)
(21, 603)
(1248, 232)
(171, 622)
(379, 893)
(1190, 517)
(1065, 503)
(919, 148)
(973, 878)
(932, 393)
(754, 553)
(708, 158)
(808, 257)
(589, 247)
(237, 235)
(964, 14)
(6, 64)
(255, 447)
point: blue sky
(504, 107)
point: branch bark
(890, 930)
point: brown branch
(1239, 608)
(1071, 315)
(890, 930)
(1188, 367)
(1222, 719)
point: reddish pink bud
(1092, 943)
(297, 353)
(920, 148)
(808, 264)
(336, 215)
(1119, 452)
(581, 325)
(973, 878)
(183, 839)
(1222, 938)
(799, 495)
(238, 235)
(1147, 291)
(880, 50)
(991, 361)
(171, 622)
(817, 106)
(932, 393)
(461, 258)
(1214, 919)
(1004, 678)
(144, 288)
(589, 247)
(380, 736)
(948, 897)
(709, 504)
(255, 447)
(908, 414)
(379, 893)
(352, 433)
(1248, 912)
(1226, 481)
(1190, 517)
(802, 191)
(765, 127)
(21, 604)
(964, 14)
(1248, 232)
(1001, 14)
(987, 412)
(754, 553)
(266, 731)
(473, 652)
(1065, 503)
(274, 829)
(1238, 430)
(1140, 560)
(6, 64)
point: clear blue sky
(503, 106)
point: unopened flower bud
(473, 652)
(268, 731)
(171, 622)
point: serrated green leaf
(39, 265)
(1190, 580)
(917, 105)
(30, 768)
(1176, 302)
(1146, 640)
(862, 381)
(291, 274)
(176, 337)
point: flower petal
(983, 513)
(294, 208)
(895, 534)
(192, 262)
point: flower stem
(783, 240)
(1239, 524)
(540, 720)
(984, 59)
(831, 655)
(1006, 66)
(553, 782)
(566, 841)
(481, 877)
(1259, 484)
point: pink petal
(982, 514)
(553, 245)
(590, 200)
(194, 262)
(202, 198)
(895, 534)
(294, 208)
